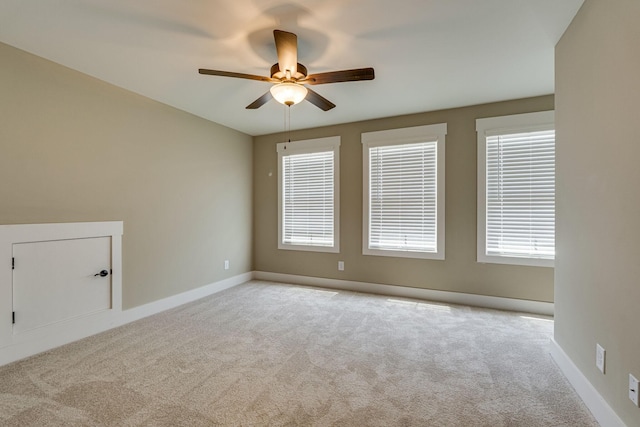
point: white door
(59, 280)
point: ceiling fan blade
(260, 101)
(319, 101)
(340, 76)
(287, 48)
(236, 75)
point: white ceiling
(427, 54)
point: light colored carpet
(283, 355)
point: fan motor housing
(301, 72)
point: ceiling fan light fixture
(288, 93)
(290, 76)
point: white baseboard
(537, 307)
(42, 339)
(158, 306)
(600, 409)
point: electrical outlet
(600, 357)
(340, 265)
(633, 389)
(226, 264)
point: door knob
(102, 273)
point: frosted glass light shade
(288, 93)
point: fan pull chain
(287, 123)
(284, 120)
(289, 127)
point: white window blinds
(520, 194)
(403, 192)
(308, 195)
(308, 199)
(402, 197)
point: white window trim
(528, 122)
(409, 135)
(312, 146)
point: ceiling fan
(290, 77)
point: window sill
(525, 262)
(404, 254)
(305, 248)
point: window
(403, 194)
(308, 195)
(516, 189)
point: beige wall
(597, 272)
(459, 272)
(73, 148)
